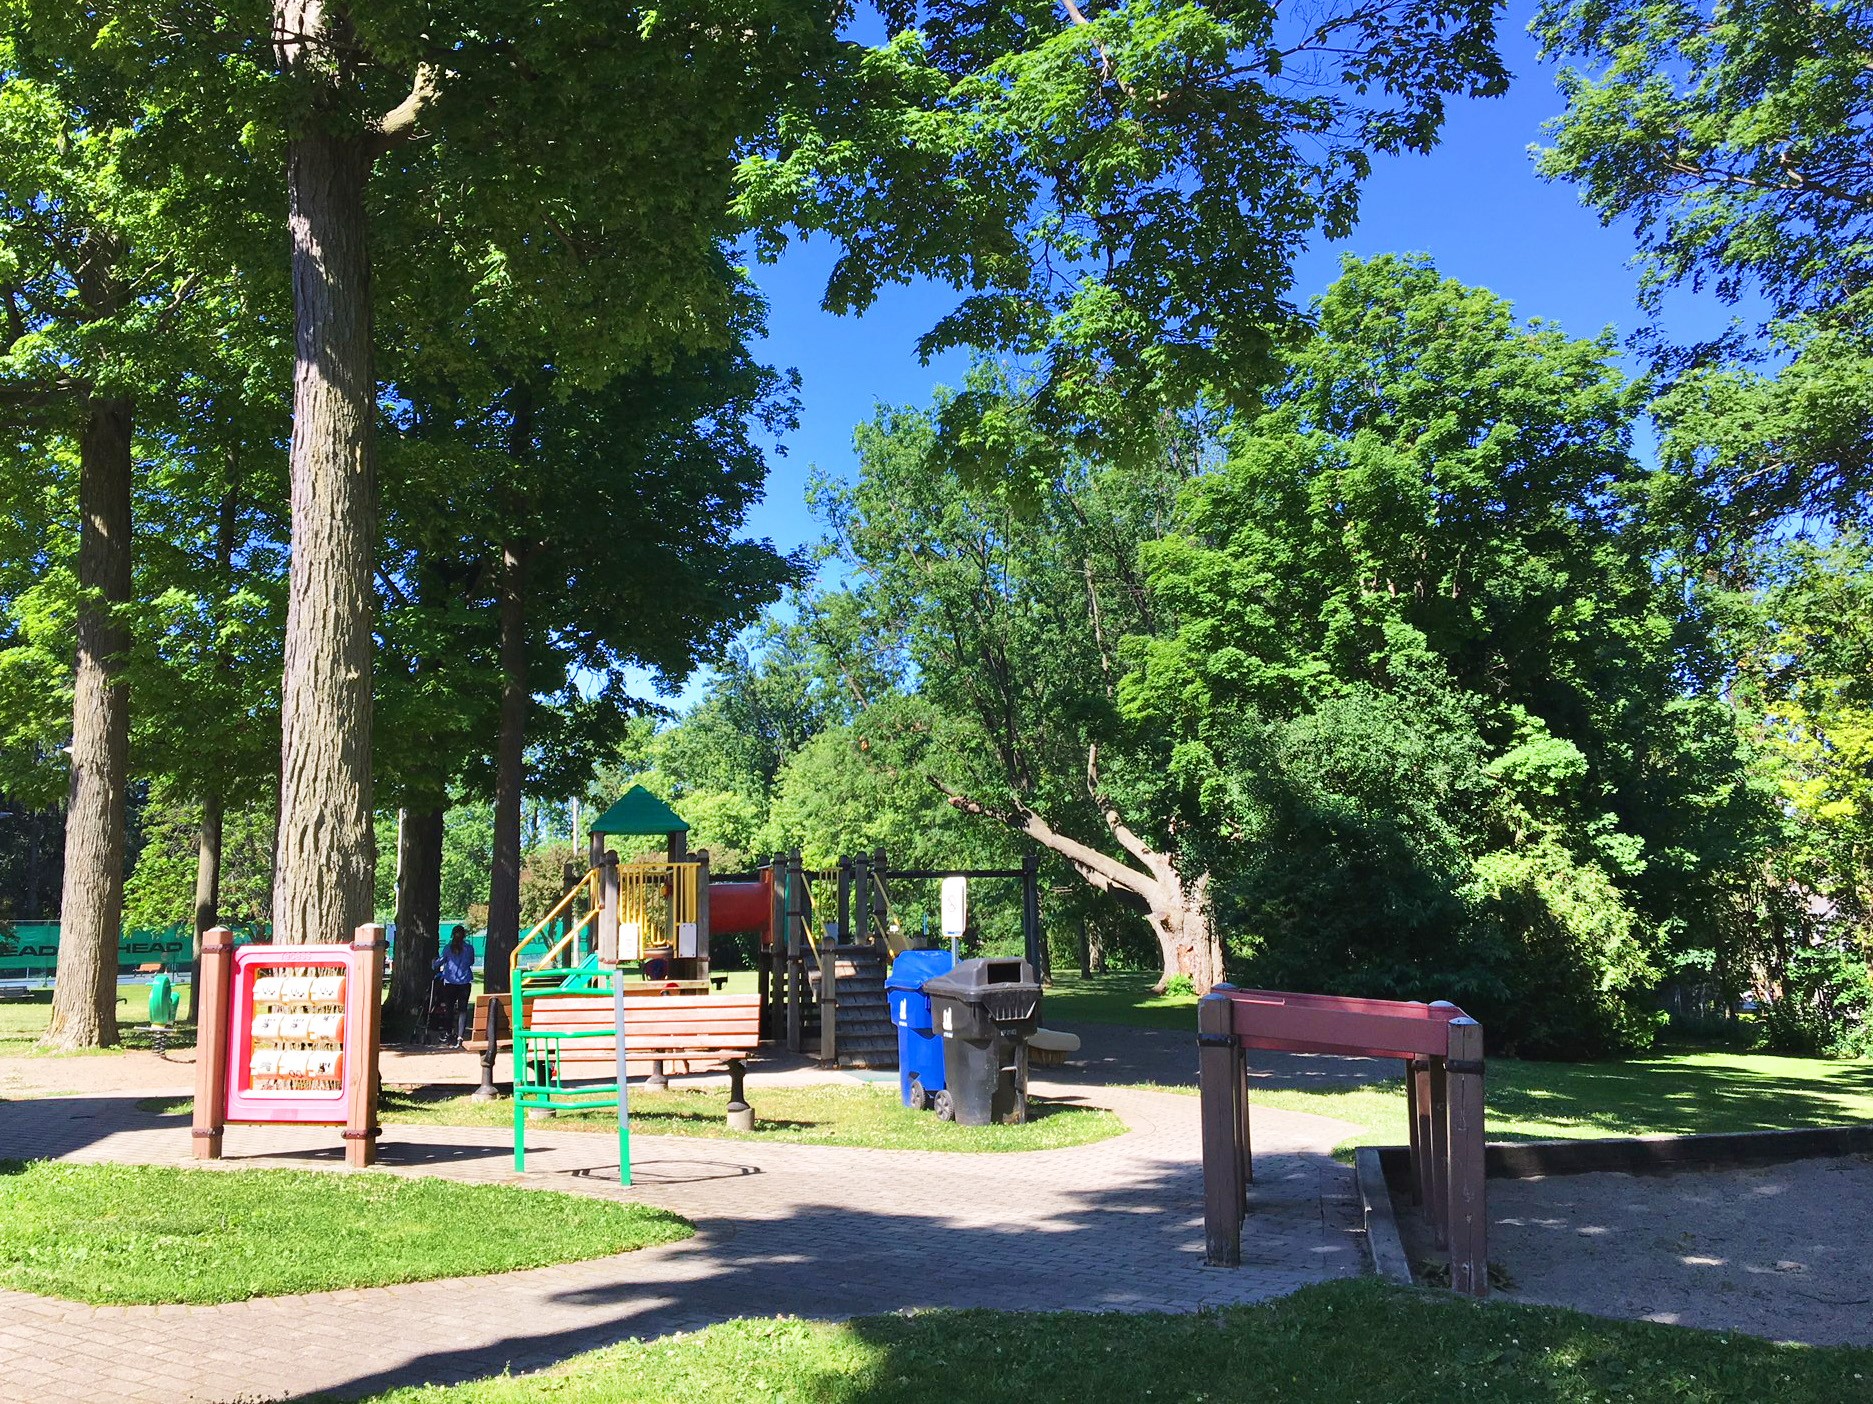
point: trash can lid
(912, 968)
(972, 978)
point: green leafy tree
(110, 242)
(1438, 715)
(1012, 608)
(654, 471)
(1120, 190)
(1732, 136)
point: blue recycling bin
(919, 1049)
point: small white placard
(686, 939)
(955, 905)
(631, 942)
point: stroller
(438, 1017)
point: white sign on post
(955, 905)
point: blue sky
(1474, 204)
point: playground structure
(1442, 1048)
(824, 937)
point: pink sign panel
(295, 1009)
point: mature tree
(1120, 189)
(551, 134)
(1733, 136)
(1012, 607)
(210, 584)
(603, 523)
(98, 269)
(1444, 725)
(1732, 133)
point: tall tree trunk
(326, 854)
(1180, 918)
(207, 887)
(1177, 909)
(419, 914)
(84, 1002)
(208, 841)
(509, 773)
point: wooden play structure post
(829, 995)
(213, 1007)
(1442, 1048)
(797, 917)
(364, 1012)
(702, 914)
(610, 899)
(1031, 939)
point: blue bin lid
(912, 968)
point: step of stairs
(866, 1038)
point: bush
(1827, 995)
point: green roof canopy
(639, 812)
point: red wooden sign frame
(274, 1045)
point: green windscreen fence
(31, 948)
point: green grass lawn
(1677, 1093)
(1341, 1343)
(825, 1114)
(24, 1017)
(1123, 998)
(121, 1234)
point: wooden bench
(566, 1055)
(477, 1040)
(681, 1033)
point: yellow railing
(588, 885)
(654, 900)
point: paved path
(807, 1230)
(1122, 1053)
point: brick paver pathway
(807, 1230)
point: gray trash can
(984, 1010)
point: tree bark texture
(1177, 908)
(84, 1001)
(207, 887)
(509, 772)
(326, 854)
(419, 915)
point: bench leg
(740, 1114)
(657, 1081)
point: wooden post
(610, 902)
(1219, 1066)
(829, 998)
(1239, 1079)
(1468, 1218)
(213, 1018)
(702, 914)
(844, 913)
(1417, 1121)
(795, 972)
(856, 928)
(366, 1012)
(767, 952)
(1031, 918)
(1437, 1153)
